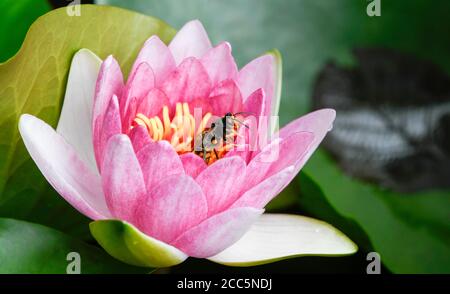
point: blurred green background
(410, 232)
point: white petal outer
(75, 122)
(275, 237)
(190, 41)
(62, 167)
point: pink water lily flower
(120, 155)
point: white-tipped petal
(275, 237)
(75, 122)
(63, 168)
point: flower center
(186, 133)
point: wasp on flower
(219, 138)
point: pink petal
(175, 205)
(159, 160)
(258, 74)
(123, 182)
(255, 103)
(217, 232)
(264, 192)
(318, 122)
(109, 83)
(188, 82)
(193, 164)
(202, 106)
(153, 103)
(158, 56)
(221, 182)
(226, 97)
(293, 149)
(220, 64)
(140, 82)
(277, 155)
(62, 167)
(139, 138)
(111, 126)
(190, 41)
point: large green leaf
(411, 232)
(408, 231)
(32, 248)
(16, 18)
(34, 81)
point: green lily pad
(126, 243)
(34, 81)
(35, 249)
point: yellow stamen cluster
(180, 131)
